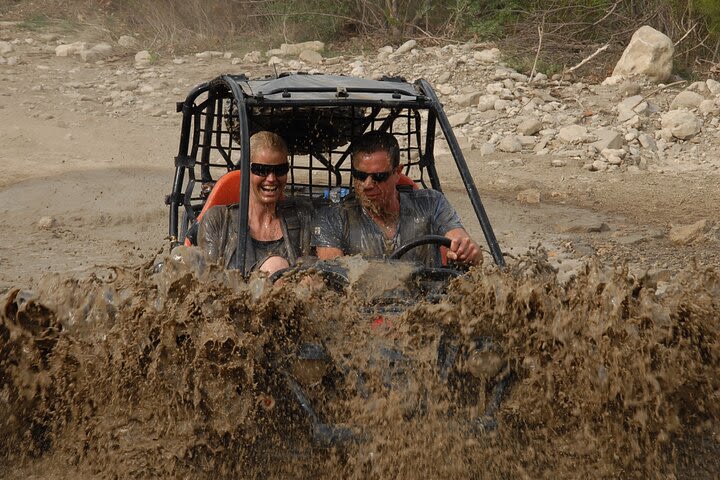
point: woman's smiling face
(268, 190)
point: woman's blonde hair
(265, 140)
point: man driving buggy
(279, 227)
(379, 217)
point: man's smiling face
(375, 196)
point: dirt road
(84, 178)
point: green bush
(488, 20)
(709, 10)
(299, 20)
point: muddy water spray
(181, 373)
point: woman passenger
(279, 227)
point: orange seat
(226, 191)
(405, 180)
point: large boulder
(294, 49)
(687, 99)
(682, 124)
(649, 53)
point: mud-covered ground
(110, 371)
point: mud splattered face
(267, 183)
(374, 190)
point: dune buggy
(320, 116)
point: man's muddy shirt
(348, 226)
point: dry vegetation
(521, 26)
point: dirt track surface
(83, 181)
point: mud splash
(185, 373)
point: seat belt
(290, 224)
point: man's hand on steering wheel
(462, 248)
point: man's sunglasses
(263, 169)
(378, 177)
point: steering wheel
(431, 279)
(424, 240)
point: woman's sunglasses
(378, 177)
(263, 169)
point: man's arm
(328, 253)
(463, 248)
(327, 233)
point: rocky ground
(627, 170)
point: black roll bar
(188, 111)
(243, 228)
(465, 175)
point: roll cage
(319, 116)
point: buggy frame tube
(466, 177)
(207, 137)
(243, 229)
(188, 112)
(174, 205)
(399, 104)
(428, 159)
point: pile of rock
(630, 122)
(86, 53)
